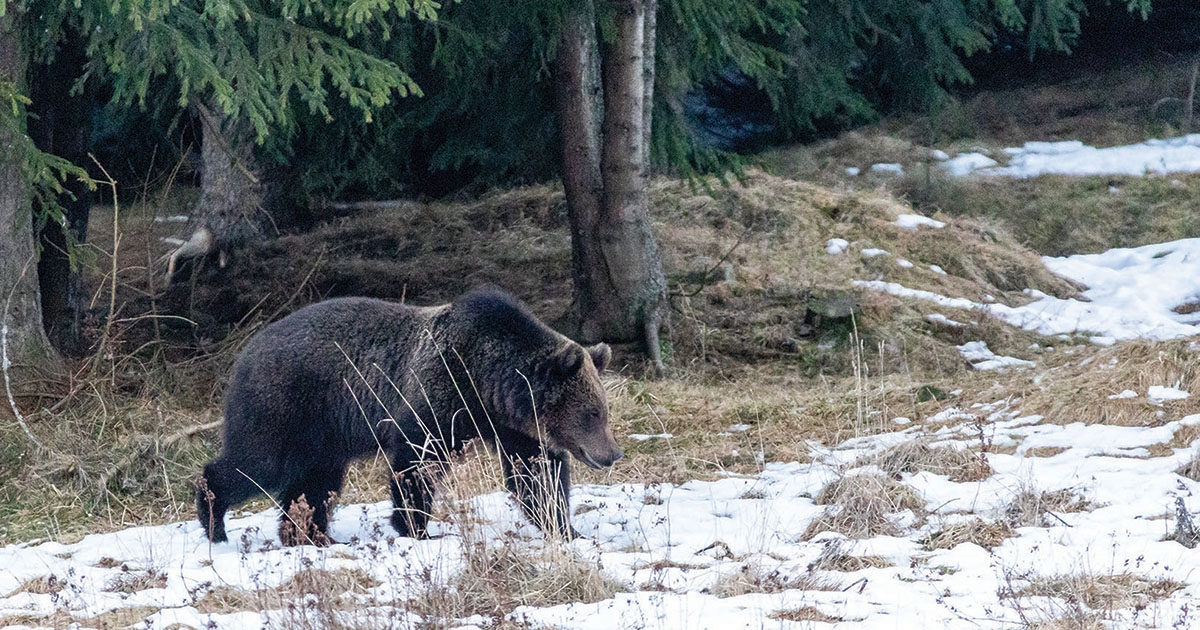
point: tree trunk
(648, 52)
(26, 350)
(231, 192)
(620, 290)
(60, 126)
(578, 91)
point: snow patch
(836, 246)
(965, 163)
(981, 357)
(642, 437)
(1131, 294)
(914, 221)
(1158, 394)
(1072, 157)
(938, 318)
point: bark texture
(27, 350)
(620, 290)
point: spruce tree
(249, 60)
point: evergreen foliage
(43, 172)
(731, 75)
(728, 72)
(251, 57)
(486, 116)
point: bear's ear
(601, 355)
(566, 360)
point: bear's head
(573, 411)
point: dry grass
(135, 581)
(112, 620)
(917, 455)
(498, 575)
(330, 589)
(986, 534)
(845, 563)
(1045, 451)
(837, 556)
(499, 578)
(47, 585)
(1030, 507)
(1074, 619)
(221, 600)
(862, 506)
(778, 283)
(1102, 592)
(753, 578)
(1077, 387)
(806, 613)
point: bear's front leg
(412, 502)
(541, 483)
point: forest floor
(886, 408)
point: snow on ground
(914, 221)
(1072, 157)
(672, 545)
(966, 163)
(836, 246)
(981, 357)
(1158, 394)
(1131, 293)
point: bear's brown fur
(349, 377)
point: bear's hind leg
(307, 505)
(220, 487)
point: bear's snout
(610, 458)
(599, 458)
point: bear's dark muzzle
(601, 461)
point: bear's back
(321, 345)
(497, 320)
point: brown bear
(349, 377)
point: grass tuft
(986, 534)
(1035, 508)
(919, 455)
(864, 505)
(753, 578)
